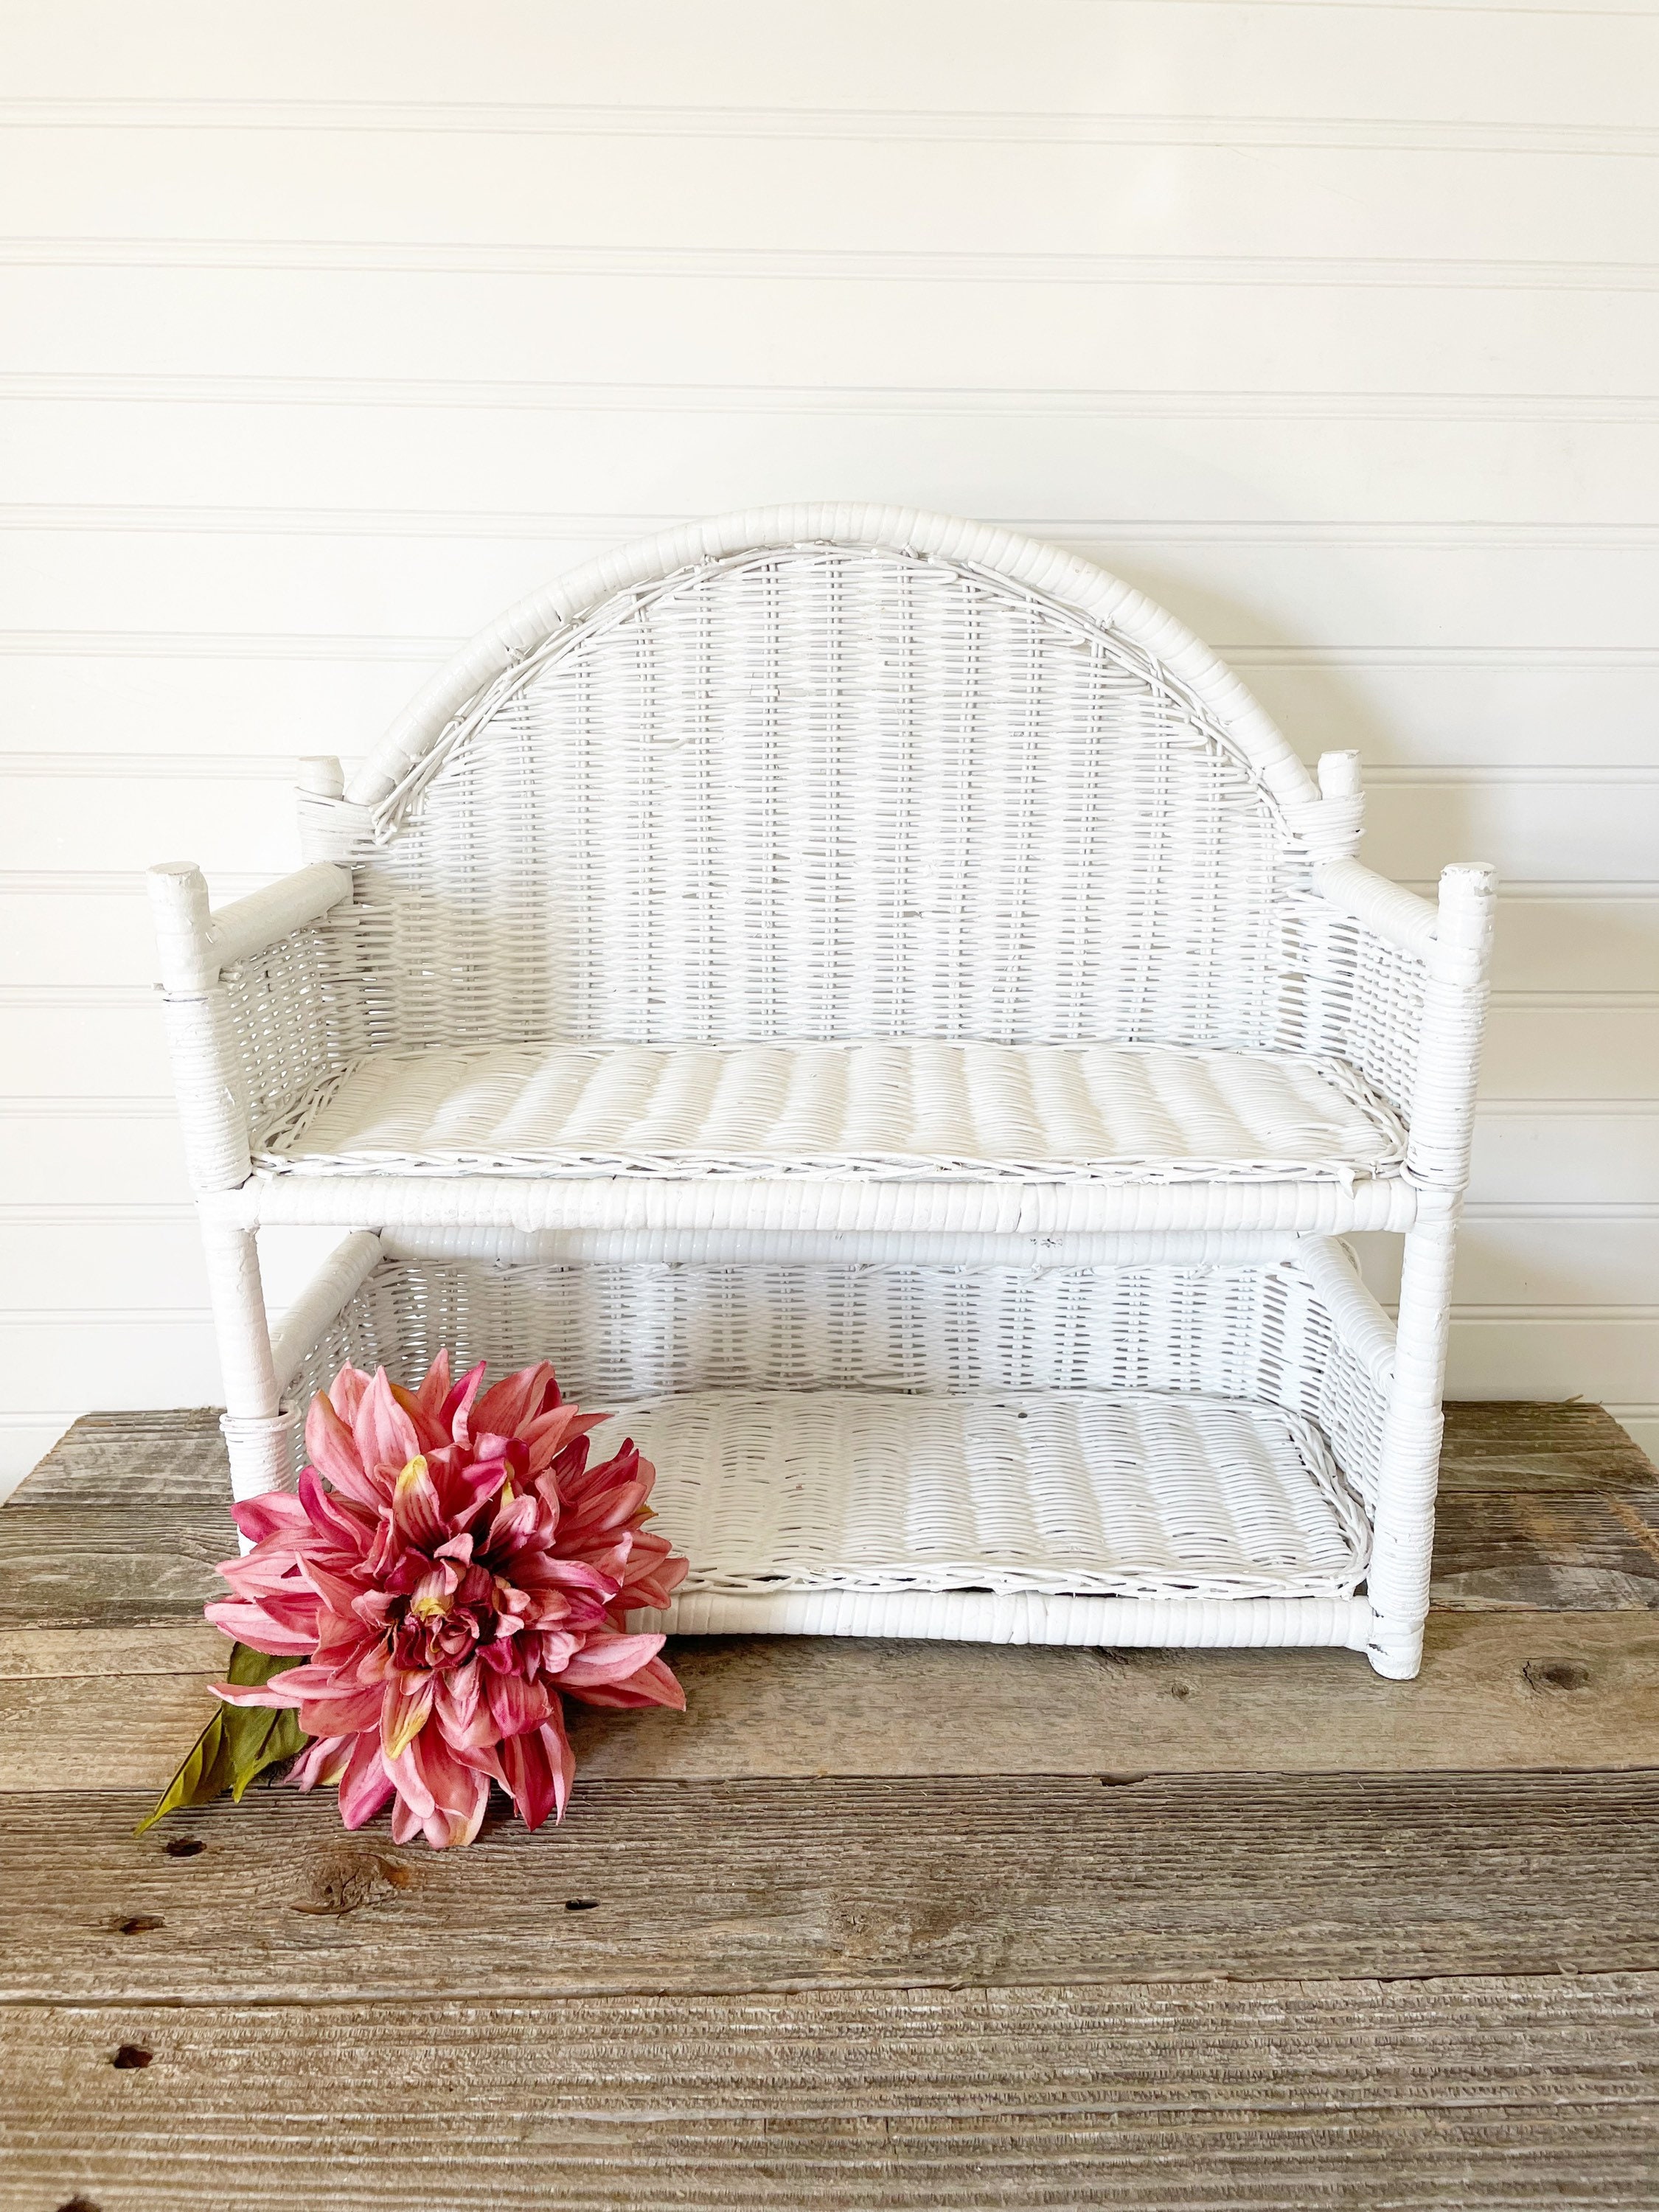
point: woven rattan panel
(824, 791)
(622, 1332)
(1084, 1493)
(898, 1109)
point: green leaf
(239, 1742)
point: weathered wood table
(872, 1925)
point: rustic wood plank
(1547, 1550)
(1498, 1691)
(186, 1647)
(1553, 1550)
(105, 1566)
(757, 1885)
(99, 1731)
(1529, 1444)
(1474, 2094)
(174, 1457)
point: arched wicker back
(876, 785)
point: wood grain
(99, 1731)
(1470, 2094)
(1498, 1691)
(721, 1886)
(192, 1646)
(1527, 1445)
(171, 1458)
(107, 1566)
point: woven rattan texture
(987, 1111)
(828, 792)
(1081, 1493)
(1250, 1480)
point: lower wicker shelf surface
(1078, 1456)
(1063, 1493)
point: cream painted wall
(326, 331)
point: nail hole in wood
(1556, 1674)
(78, 2204)
(184, 1847)
(141, 1924)
(129, 2055)
(580, 1904)
(1180, 1689)
(1121, 1781)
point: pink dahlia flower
(453, 1564)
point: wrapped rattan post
(848, 951)
(256, 1429)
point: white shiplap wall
(325, 333)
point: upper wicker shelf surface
(1126, 1114)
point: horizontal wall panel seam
(819, 265)
(914, 124)
(91, 519)
(73, 388)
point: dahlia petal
(416, 1514)
(434, 1389)
(511, 1400)
(365, 1785)
(430, 1433)
(536, 1769)
(347, 1390)
(294, 1608)
(353, 1707)
(272, 1695)
(323, 1761)
(384, 1434)
(326, 1515)
(515, 1523)
(459, 1701)
(652, 1581)
(253, 1625)
(333, 1450)
(653, 1685)
(334, 1593)
(516, 1704)
(405, 1821)
(449, 1794)
(273, 1563)
(607, 1657)
(549, 1433)
(405, 1703)
(274, 1512)
(457, 1413)
(581, 1577)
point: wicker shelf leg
(1403, 1537)
(256, 1429)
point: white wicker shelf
(1064, 1494)
(898, 1109)
(821, 886)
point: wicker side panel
(1348, 995)
(297, 1017)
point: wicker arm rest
(262, 1004)
(197, 945)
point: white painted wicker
(868, 890)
